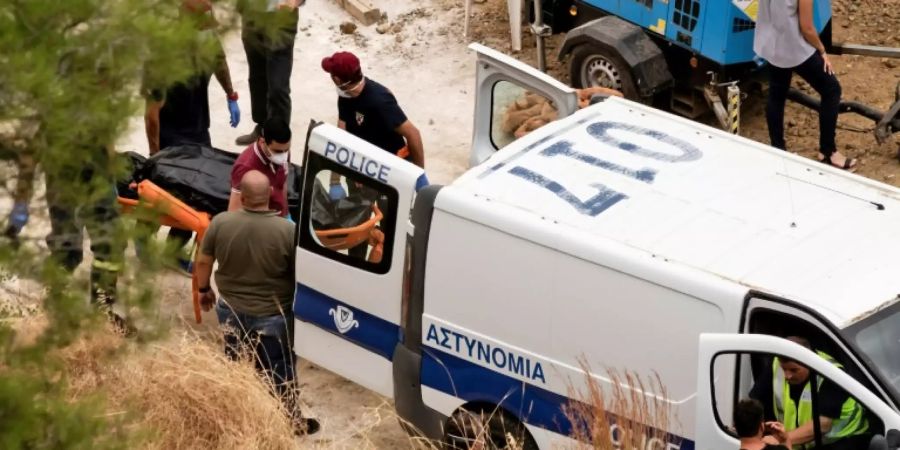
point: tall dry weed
(183, 393)
(630, 414)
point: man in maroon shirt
(270, 155)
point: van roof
(715, 202)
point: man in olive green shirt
(255, 279)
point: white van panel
(343, 357)
(482, 278)
(705, 199)
(615, 321)
(488, 220)
(551, 307)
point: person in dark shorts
(255, 279)
(756, 434)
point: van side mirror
(878, 442)
(889, 442)
(893, 439)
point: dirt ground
(423, 58)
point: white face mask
(341, 92)
(279, 158)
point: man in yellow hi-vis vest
(788, 396)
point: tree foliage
(71, 74)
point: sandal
(849, 163)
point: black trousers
(828, 87)
(87, 203)
(270, 59)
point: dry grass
(630, 413)
(183, 393)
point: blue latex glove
(235, 113)
(18, 217)
(336, 192)
(290, 219)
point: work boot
(120, 325)
(305, 426)
(104, 304)
(248, 139)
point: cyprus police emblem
(343, 319)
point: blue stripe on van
(370, 332)
(443, 371)
(460, 378)
(535, 406)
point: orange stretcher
(346, 238)
(173, 213)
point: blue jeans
(267, 339)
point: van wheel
(487, 429)
(596, 66)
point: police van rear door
(350, 259)
(511, 100)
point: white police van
(619, 234)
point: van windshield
(879, 338)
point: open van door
(721, 354)
(510, 93)
(351, 252)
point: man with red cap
(370, 111)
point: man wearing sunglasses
(370, 111)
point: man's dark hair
(277, 130)
(799, 340)
(748, 416)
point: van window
(347, 216)
(516, 112)
(878, 337)
(779, 323)
(772, 387)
